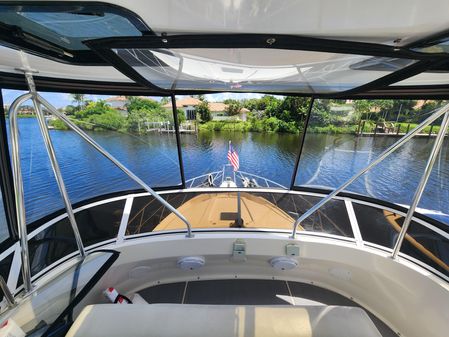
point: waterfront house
(217, 109)
(118, 103)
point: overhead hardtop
(316, 48)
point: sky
(60, 100)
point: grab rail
(220, 174)
(115, 161)
(379, 159)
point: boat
(224, 252)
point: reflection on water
(327, 160)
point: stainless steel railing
(38, 102)
(422, 184)
(220, 176)
(115, 161)
(18, 189)
(438, 142)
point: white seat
(191, 320)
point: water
(327, 160)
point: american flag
(233, 157)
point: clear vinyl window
(138, 131)
(344, 136)
(257, 69)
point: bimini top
(297, 47)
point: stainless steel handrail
(7, 293)
(266, 180)
(215, 174)
(117, 163)
(241, 174)
(19, 198)
(379, 159)
(422, 184)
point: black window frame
(14, 37)
(6, 183)
(104, 47)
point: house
(188, 104)
(217, 109)
(118, 102)
(218, 112)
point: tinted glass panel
(262, 70)
(219, 210)
(67, 29)
(5, 266)
(50, 245)
(427, 246)
(441, 46)
(382, 227)
(376, 225)
(98, 223)
(4, 231)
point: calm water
(326, 161)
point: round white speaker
(283, 263)
(191, 262)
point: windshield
(250, 139)
(343, 136)
(127, 127)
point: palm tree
(79, 99)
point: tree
(203, 111)
(320, 113)
(181, 115)
(165, 100)
(251, 104)
(293, 109)
(70, 110)
(136, 120)
(111, 119)
(200, 97)
(233, 107)
(93, 108)
(269, 104)
(138, 103)
(375, 109)
(79, 99)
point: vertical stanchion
(58, 175)
(18, 191)
(239, 221)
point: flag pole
(238, 221)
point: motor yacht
(230, 251)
